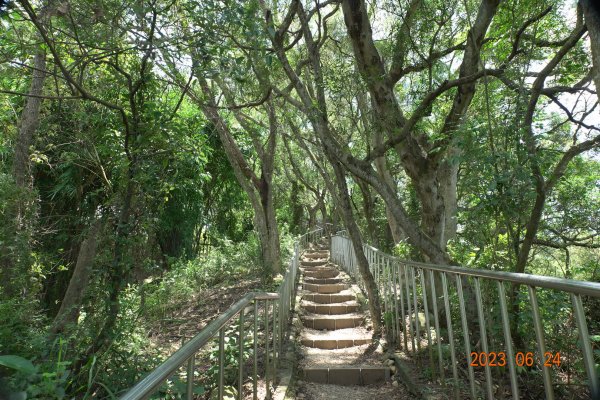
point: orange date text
(522, 359)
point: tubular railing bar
(466, 339)
(241, 355)
(450, 332)
(403, 315)
(539, 334)
(427, 322)
(285, 296)
(436, 319)
(267, 389)
(255, 354)
(156, 378)
(588, 355)
(547, 282)
(410, 325)
(514, 385)
(221, 360)
(483, 334)
(416, 305)
(189, 390)
(532, 282)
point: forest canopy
(151, 149)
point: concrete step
(316, 254)
(331, 344)
(322, 281)
(326, 288)
(313, 263)
(346, 376)
(321, 273)
(329, 298)
(319, 268)
(332, 322)
(330, 309)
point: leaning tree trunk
(258, 189)
(363, 264)
(369, 210)
(69, 308)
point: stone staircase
(337, 351)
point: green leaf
(18, 363)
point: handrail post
(483, 334)
(189, 392)
(437, 327)
(267, 389)
(588, 355)
(427, 322)
(221, 361)
(539, 333)
(450, 332)
(255, 370)
(465, 328)
(514, 386)
(387, 269)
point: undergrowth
(34, 366)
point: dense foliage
(150, 150)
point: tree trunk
(119, 272)
(271, 247)
(30, 121)
(449, 182)
(591, 13)
(422, 168)
(297, 209)
(369, 210)
(380, 164)
(69, 308)
(258, 189)
(15, 262)
(312, 217)
(357, 244)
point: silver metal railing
(276, 310)
(410, 290)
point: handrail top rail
(548, 282)
(317, 229)
(156, 378)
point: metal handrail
(279, 317)
(407, 287)
(156, 378)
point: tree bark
(380, 166)
(258, 189)
(69, 308)
(30, 121)
(591, 13)
(433, 182)
(357, 244)
(297, 208)
(369, 211)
